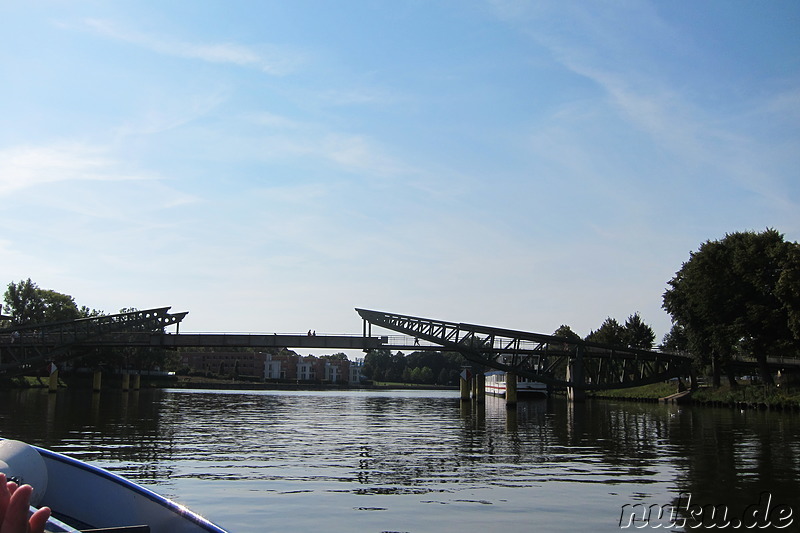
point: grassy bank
(745, 396)
(750, 396)
(399, 385)
(644, 393)
(26, 382)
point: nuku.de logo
(685, 514)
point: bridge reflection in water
(343, 461)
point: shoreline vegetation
(114, 382)
(744, 396)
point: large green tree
(27, 303)
(610, 332)
(637, 334)
(675, 340)
(421, 366)
(788, 287)
(738, 294)
(565, 332)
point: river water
(420, 461)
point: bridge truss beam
(552, 360)
(24, 347)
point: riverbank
(114, 382)
(745, 396)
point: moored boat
(85, 497)
(495, 384)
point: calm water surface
(415, 461)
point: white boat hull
(495, 385)
(85, 496)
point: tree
(637, 334)
(426, 375)
(430, 366)
(738, 294)
(610, 333)
(23, 302)
(675, 340)
(788, 288)
(58, 306)
(565, 332)
(28, 303)
(381, 365)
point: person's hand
(14, 506)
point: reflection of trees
(729, 457)
(552, 440)
(120, 431)
(609, 444)
(393, 443)
(719, 456)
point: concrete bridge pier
(511, 390)
(137, 381)
(97, 381)
(126, 381)
(575, 375)
(53, 384)
(464, 386)
(479, 388)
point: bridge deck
(245, 340)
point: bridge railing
(410, 342)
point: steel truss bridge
(556, 361)
(28, 348)
(25, 348)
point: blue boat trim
(153, 496)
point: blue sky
(268, 166)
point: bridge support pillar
(575, 376)
(480, 387)
(126, 381)
(511, 389)
(53, 384)
(97, 381)
(137, 381)
(464, 388)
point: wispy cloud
(173, 111)
(717, 147)
(271, 59)
(359, 96)
(723, 149)
(351, 152)
(26, 166)
(357, 152)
